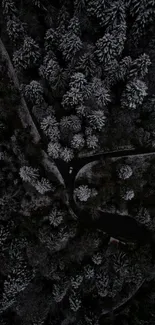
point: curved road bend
(77, 163)
(114, 224)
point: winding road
(115, 225)
(62, 169)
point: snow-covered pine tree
(70, 45)
(134, 94)
(50, 127)
(33, 92)
(83, 193)
(66, 154)
(54, 149)
(28, 55)
(29, 174)
(78, 141)
(125, 172)
(96, 119)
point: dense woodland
(77, 81)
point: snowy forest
(77, 162)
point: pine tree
(139, 67)
(74, 26)
(86, 63)
(70, 45)
(111, 45)
(54, 149)
(83, 193)
(78, 81)
(96, 120)
(100, 95)
(28, 55)
(124, 68)
(113, 15)
(143, 13)
(97, 259)
(102, 284)
(70, 123)
(29, 174)
(72, 98)
(92, 141)
(75, 301)
(33, 92)
(15, 29)
(56, 216)
(125, 172)
(67, 154)
(59, 291)
(143, 217)
(51, 40)
(9, 8)
(51, 72)
(50, 127)
(43, 186)
(76, 281)
(81, 110)
(127, 194)
(134, 94)
(78, 141)
(89, 272)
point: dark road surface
(77, 163)
(116, 225)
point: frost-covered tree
(74, 26)
(50, 71)
(125, 172)
(9, 8)
(92, 141)
(71, 123)
(97, 119)
(59, 291)
(67, 154)
(89, 272)
(70, 45)
(76, 281)
(100, 94)
(81, 110)
(72, 98)
(43, 186)
(139, 67)
(86, 63)
(134, 94)
(123, 69)
(127, 194)
(102, 284)
(110, 46)
(83, 193)
(75, 301)
(78, 141)
(56, 216)
(29, 174)
(15, 29)
(96, 9)
(97, 259)
(33, 92)
(54, 149)
(143, 216)
(28, 55)
(143, 13)
(51, 39)
(50, 127)
(78, 81)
